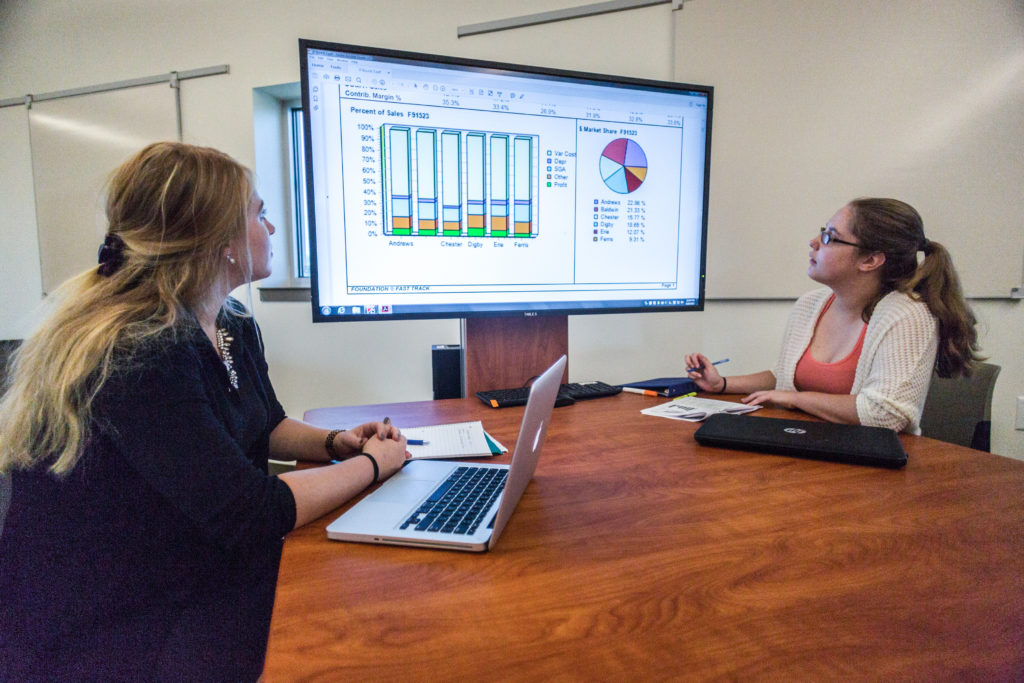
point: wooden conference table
(636, 554)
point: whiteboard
(77, 142)
(817, 103)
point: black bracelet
(376, 470)
(725, 383)
(329, 442)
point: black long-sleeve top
(156, 558)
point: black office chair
(959, 409)
(5, 499)
(7, 347)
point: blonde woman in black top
(144, 534)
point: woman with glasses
(861, 350)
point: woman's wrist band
(376, 470)
(329, 441)
(724, 384)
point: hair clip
(111, 255)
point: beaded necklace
(224, 347)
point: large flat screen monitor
(444, 187)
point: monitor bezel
(507, 309)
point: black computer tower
(447, 364)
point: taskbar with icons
(649, 303)
(375, 309)
(370, 311)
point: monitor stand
(508, 352)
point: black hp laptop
(854, 444)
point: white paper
(693, 409)
(456, 440)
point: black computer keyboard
(581, 391)
(567, 394)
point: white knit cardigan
(895, 365)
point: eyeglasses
(828, 238)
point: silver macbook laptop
(454, 505)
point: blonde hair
(176, 207)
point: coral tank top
(829, 378)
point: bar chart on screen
(459, 183)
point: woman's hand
(706, 376)
(382, 440)
(354, 440)
(390, 454)
(318, 490)
(778, 399)
(832, 407)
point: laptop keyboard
(459, 503)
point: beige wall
(48, 45)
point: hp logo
(794, 430)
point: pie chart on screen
(623, 166)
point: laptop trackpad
(404, 490)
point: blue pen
(417, 442)
(717, 362)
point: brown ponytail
(895, 228)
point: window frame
(300, 256)
(275, 153)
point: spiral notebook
(453, 440)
